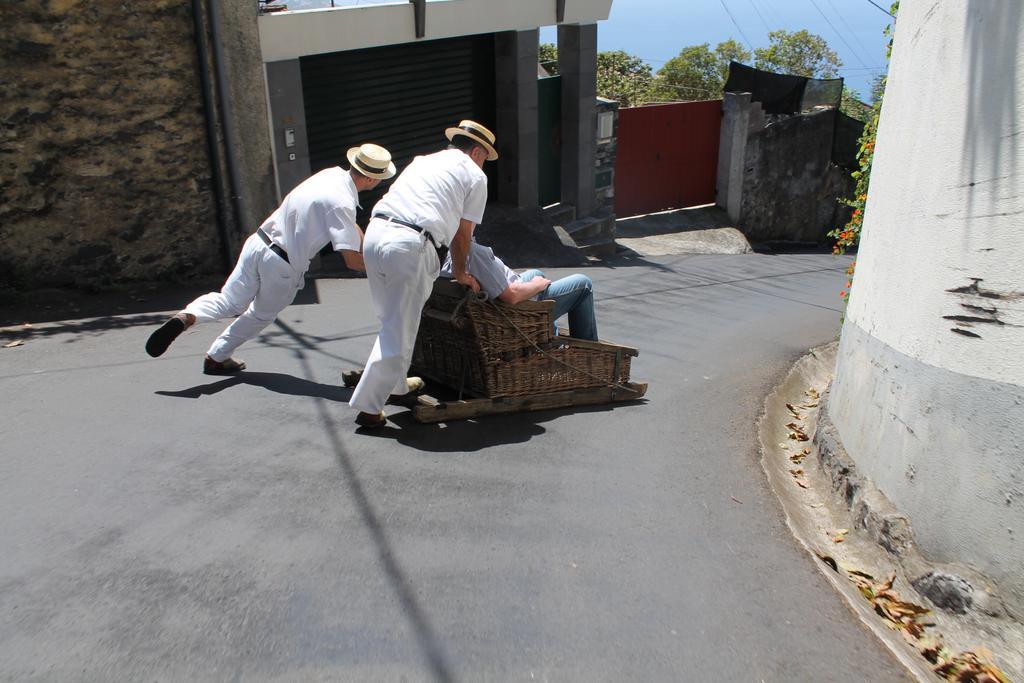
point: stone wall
(104, 171)
(604, 159)
(790, 185)
(776, 177)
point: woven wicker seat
(491, 349)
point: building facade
(144, 142)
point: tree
(877, 88)
(624, 77)
(547, 55)
(691, 75)
(800, 53)
(730, 51)
(851, 105)
(697, 73)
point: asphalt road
(159, 524)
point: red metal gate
(667, 156)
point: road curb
(830, 496)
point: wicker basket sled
(508, 359)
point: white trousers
(261, 286)
(401, 266)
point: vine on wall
(848, 236)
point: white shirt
(320, 210)
(435, 192)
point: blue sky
(656, 30)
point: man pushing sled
(272, 266)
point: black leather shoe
(228, 367)
(168, 332)
(371, 419)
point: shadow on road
(76, 329)
(466, 436)
(272, 381)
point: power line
(849, 30)
(882, 8)
(771, 14)
(841, 37)
(766, 28)
(749, 44)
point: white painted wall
(947, 189)
(289, 35)
(936, 417)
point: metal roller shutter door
(400, 96)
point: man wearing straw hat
(272, 266)
(434, 204)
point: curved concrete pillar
(929, 390)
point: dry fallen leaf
(839, 535)
(798, 477)
(797, 458)
(813, 393)
(736, 500)
(793, 411)
(858, 573)
(797, 434)
(932, 649)
(968, 667)
(11, 345)
(830, 561)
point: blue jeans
(573, 295)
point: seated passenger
(573, 295)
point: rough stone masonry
(104, 170)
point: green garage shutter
(399, 96)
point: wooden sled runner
(500, 359)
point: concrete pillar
(243, 68)
(288, 124)
(577, 65)
(929, 391)
(516, 116)
(732, 145)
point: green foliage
(848, 236)
(851, 105)
(697, 72)
(799, 53)
(730, 51)
(877, 87)
(690, 75)
(624, 77)
(547, 55)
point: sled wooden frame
(429, 409)
(462, 331)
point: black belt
(442, 250)
(273, 247)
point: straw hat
(373, 161)
(476, 132)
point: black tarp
(777, 93)
(782, 93)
